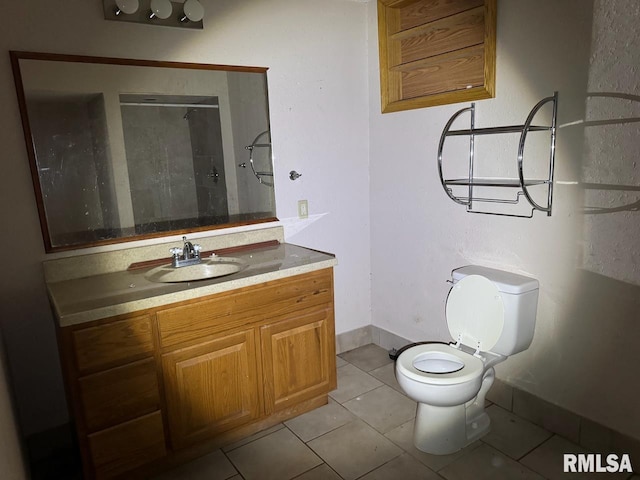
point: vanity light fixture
(166, 13)
(161, 9)
(127, 6)
(193, 11)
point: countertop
(95, 297)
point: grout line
(537, 446)
(258, 435)
(325, 433)
(232, 464)
(318, 466)
(380, 466)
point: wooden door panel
(211, 387)
(298, 358)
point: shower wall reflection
(181, 178)
(69, 136)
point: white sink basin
(208, 268)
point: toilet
(491, 315)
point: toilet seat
(475, 312)
(475, 316)
(471, 367)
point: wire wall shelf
(464, 190)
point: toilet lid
(475, 312)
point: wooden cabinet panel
(452, 71)
(443, 36)
(298, 358)
(435, 52)
(418, 12)
(119, 394)
(112, 344)
(211, 387)
(127, 446)
(189, 323)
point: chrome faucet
(189, 254)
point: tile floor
(365, 432)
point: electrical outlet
(303, 209)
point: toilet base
(445, 430)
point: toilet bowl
(442, 388)
(491, 314)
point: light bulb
(193, 11)
(161, 9)
(127, 6)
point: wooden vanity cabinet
(148, 388)
(114, 392)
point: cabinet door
(211, 387)
(298, 358)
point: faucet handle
(197, 249)
(175, 251)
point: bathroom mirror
(123, 149)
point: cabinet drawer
(127, 446)
(119, 394)
(247, 305)
(112, 344)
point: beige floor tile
(548, 460)
(383, 408)
(403, 437)
(214, 466)
(367, 358)
(512, 435)
(486, 463)
(321, 472)
(353, 382)
(404, 467)
(320, 421)
(354, 449)
(278, 456)
(387, 375)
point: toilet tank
(520, 298)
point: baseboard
(369, 334)
(354, 338)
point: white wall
(588, 265)
(317, 59)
